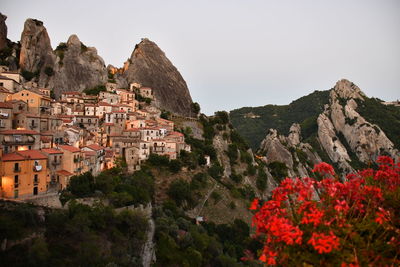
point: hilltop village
(45, 142)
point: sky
(236, 53)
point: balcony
(16, 185)
(33, 126)
(36, 181)
(17, 169)
(18, 140)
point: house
(9, 83)
(99, 159)
(19, 140)
(5, 116)
(38, 103)
(27, 121)
(72, 97)
(134, 86)
(23, 174)
(167, 124)
(109, 97)
(72, 159)
(45, 91)
(87, 122)
(91, 110)
(126, 96)
(5, 94)
(104, 108)
(146, 92)
(15, 75)
(110, 87)
(150, 133)
(54, 165)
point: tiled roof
(14, 131)
(65, 173)
(95, 147)
(5, 105)
(52, 151)
(12, 157)
(69, 148)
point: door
(35, 190)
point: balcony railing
(17, 169)
(36, 181)
(56, 163)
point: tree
(195, 108)
(327, 222)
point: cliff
(149, 66)
(36, 52)
(77, 67)
(3, 31)
(340, 134)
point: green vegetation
(278, 170)
(303, 110)
(180, 242)
(119, 188)
(49, 71)
(95, 90)
(73, 237)
(386, 117)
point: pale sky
(238, 53)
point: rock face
(36, 52)
(77, 67)
(149, 66)
(298, 157)
(3, 31)
(343, 134)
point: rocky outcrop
(149, 66)
(342, 125)
(331, 143)
(298, 157)
(3, 31)
(77, 67)
(274, 150)
(36, 52)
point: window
(16, 180)
(16, 167)
(36, 178)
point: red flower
(254, 204)
(324, 243)
(324, 169)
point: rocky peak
(77, 67)
(149, 66)
(36, 52)
(294, 134)
(346, 90)
(3, 31)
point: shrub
(179, 191)
(49, 71)
(355, 223)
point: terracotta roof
(5, 78)
(52, 151)
(32, 116)
(6, 105)
(95, 147)
(65, 173)
(66, 121)
(22, 155)
(14, 131)
(12, 157)
(69, 148)
(89, 153)
(108, 124)
(104, 104)
(132, 130)
(176, 133)
(72, 93)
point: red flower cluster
(325, 214)
(324, 243)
